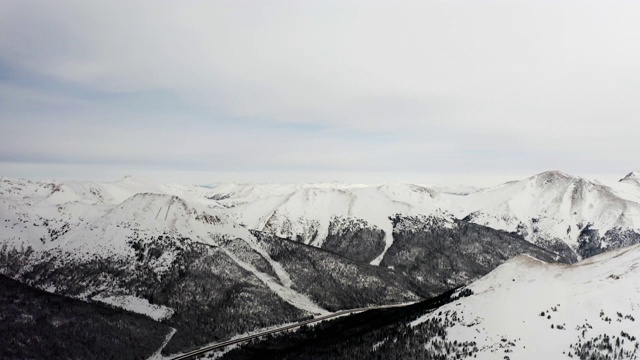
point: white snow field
(528, 309)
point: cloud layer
(344, 86)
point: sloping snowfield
(528, 309)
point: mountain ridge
(181, 253)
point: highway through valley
(211, 347)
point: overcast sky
(368, 91)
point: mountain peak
(553, 174)
(551, 177)
(634, 175)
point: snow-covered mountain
(529, 309)
(276, 253)
(524, 309)
(34, 213)
(548, 208)
(629, 187)
(572, 216)
(632, 178)
(40, 325)
(558, 211)
(313, 213)
(175, 260)
(563, 213)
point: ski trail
(282, 274)
(287, 294)
(158, 354)
(158, 212)
(388, 241)
(167, 214)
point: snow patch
(287, 294)
(136, 305)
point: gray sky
(369, 91)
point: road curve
(222, 344)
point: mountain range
(213, 262)
(524, 309)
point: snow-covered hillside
(628, 187)
(154, 227)
(554, 206)
(146, 215)
(529, 309)
(176, 259)
(567, 214)
(119, 232)
(276, 253)
(310, 213)
(34, 213)
(563, 213)
(631, 178)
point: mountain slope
(557, 211)
(157, 254)
(571, 216)
(524, 309)
(585, 309)
(39, 325)
(628, 187)
(442, 253)
(336, 282)
(317, 214)
(632, 178)
(196, 258)
(192, 268)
